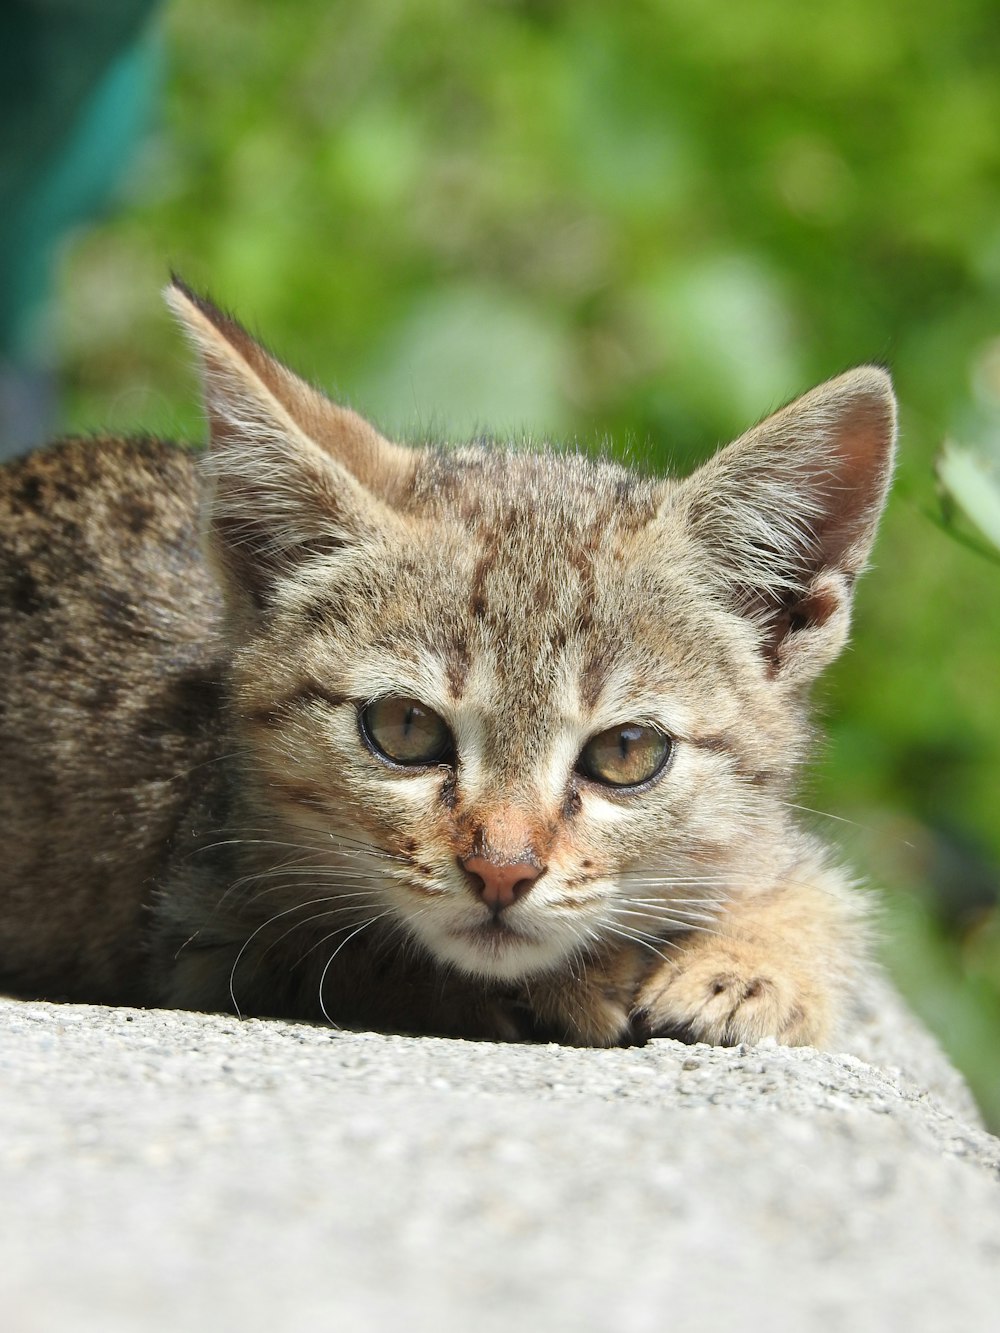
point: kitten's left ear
(788, 514)
(291, 472)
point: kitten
(468, 741)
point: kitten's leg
(775, 964)
(591, 1004)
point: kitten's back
(106, 658)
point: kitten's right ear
(291, 472)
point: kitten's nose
(501, 885)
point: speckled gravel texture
(171, 1171)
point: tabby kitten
(469, 741)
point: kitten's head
(528, 702)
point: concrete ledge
(168, 1171)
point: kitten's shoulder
(100, 545)
(110, 663)
(134, 481)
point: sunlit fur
(532, 599)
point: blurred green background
(645, 222)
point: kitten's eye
(625, 756)
(405, 731)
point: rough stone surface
(166, 1171)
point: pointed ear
(290, 472)
(788, 513)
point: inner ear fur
(787, 514)
(290, 472)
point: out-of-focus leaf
(723, 328)
(468, 360)
(974, 485)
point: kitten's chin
(496, 952)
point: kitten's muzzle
(500, 885)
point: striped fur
(532, 599)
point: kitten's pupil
(405, 731)
(625, 756)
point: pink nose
(501, 885)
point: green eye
(624, 756)
(405, 731)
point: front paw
(593, 1006)
(727, 991)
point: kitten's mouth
(497, 948)
(492, 948)
(494, 934)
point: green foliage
(970, 480)
(652, 222)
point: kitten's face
(519, 706)
(524, 668)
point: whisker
(358, 851)
(643, 943)
(704, 925)
(825, 814)
(667, 915)
(293, 867)
(338, 896)
(246, 944)
(700, 907)
(329, 962)
(318, 944)
(316, 916)
(249, 901)
(246, 836)
(701, 900)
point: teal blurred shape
(77, 86)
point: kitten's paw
(583, 1016)
(594, 1008)
(726, 991)
(600, 1020)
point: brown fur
(192, 815)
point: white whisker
(329, 962)
(263, 926)
(316, 916)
